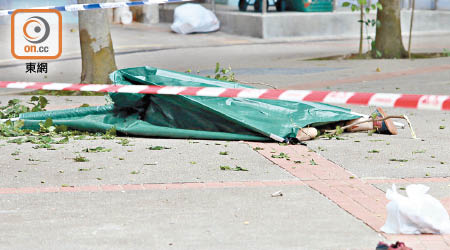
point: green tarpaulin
(191, 116)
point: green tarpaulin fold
(197, 117)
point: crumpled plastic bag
(192, 18)
(417, 213)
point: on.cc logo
(36, 34)
(36, 30)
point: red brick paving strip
(358, 197)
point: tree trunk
(97, 53)
(388, 39)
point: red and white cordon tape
(430, 102)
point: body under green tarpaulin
(195, 117)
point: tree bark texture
(388, 38)
(97, 51)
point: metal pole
(264, 7)
(435, 4)
(213, 6)
(410, 28)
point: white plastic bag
(418, 213)
(191, 18)
(123, 15)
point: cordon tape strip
(92, 6)
(422, 102)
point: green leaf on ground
(225, 168)
(373, 151)
(313, 162)
(81, 137)
(281, 156)
(237, 168)
(223, 153)
(80, 158)
(124, 142)
(17, 141)
(62, 141)
(96, 150)
(110, 134)
(47, 146)
(398, 160)
(157, 148)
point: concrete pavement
(178, 198)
